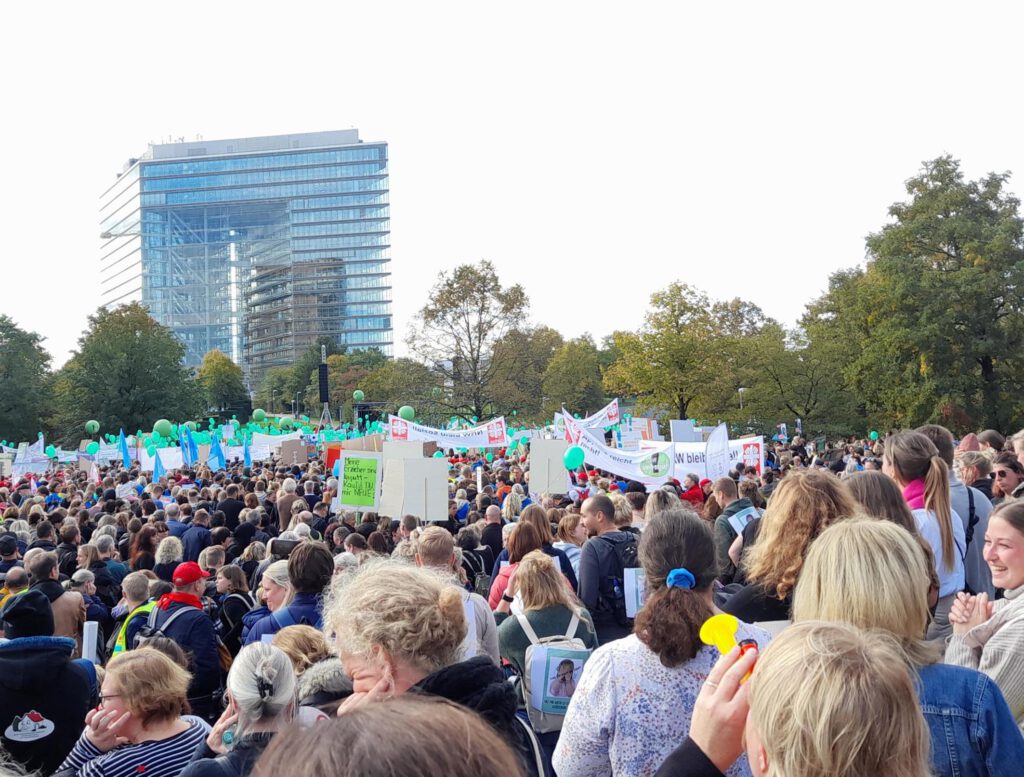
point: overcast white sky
(594, 152)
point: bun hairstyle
(409, 613)
(261, 683)
(669, 622)
(914, 457)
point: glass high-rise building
(255, 246)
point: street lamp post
(741, 389)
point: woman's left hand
(102, 726)
(215, 739)
(379, 692)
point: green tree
(277, 390)
(690, 356)
(222, 381)
(456, 332)
(126, 373)
(24, 374)
(521, 358)
(934, 324)
(573, 378)
(407, 382)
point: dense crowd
(233, 622)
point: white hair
(262, 684)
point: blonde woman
(398, 628)
(548, 606)
(570, 538)
(512, 506)
(805, 504)
(139, 720)
(304, 646)
(913, 461)
(169, 553)
(274, 593)
(874, 575)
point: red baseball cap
(188, 572)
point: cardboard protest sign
(371, 442)
(359, 480)
(547, 467)
(634, 581)
(415, 487)
(293, 452)
(554, 673)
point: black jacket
(231, 509)
(480, 685)
(67, 558)
(491, 537)
(44, 697)
(107, 588)
(688, 760)
(984, 485)
(239, 761)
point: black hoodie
(480, 685)
(44, 697)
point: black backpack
(613, 591)
(150, 630)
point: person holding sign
(647, 681)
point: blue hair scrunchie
(680, 578)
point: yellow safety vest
(119, 645)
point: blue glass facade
(256, 246)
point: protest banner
(415, 487)
(689, 457)
(606, 416)
(651, 467)
(274, 440)
(359, 480)
(492, 434)
(716, 453)
(547, 467)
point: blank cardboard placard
(204, 453)
(415, 487)
(371, 442)
(547, 467)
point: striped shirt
(163, 758)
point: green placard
(359, 481)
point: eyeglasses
(104, 697)
(1002, 473)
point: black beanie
(27, 615)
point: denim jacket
(972, 729)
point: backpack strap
(972, 516)
(527, 628)
(573, 624)
(286, 619)
(534, 745)
(167, 623)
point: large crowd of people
(236, 622)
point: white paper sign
(547, 467)
(415, 487)
(635, 584)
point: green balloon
(406, 412)
(259, 415)
(874, 436)
(92, 448)
(191, 425)
(91, 427)
(50, 451)
(287, 422)
(358, 395)
(438, 454)
(573, 458)
(162, 427)
(489, 457)
(151, 450)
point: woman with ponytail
(913, 461)
(261, 702)
(636, 694)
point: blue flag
(183, 442)
(122, 443)
(246, 453)
(193, 448)
(216, 460)
(158, 467)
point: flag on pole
(158, 467)
(246, 453)
(122, 443)
(193, 448)
(94, 473)
(186, 452)
(216, 459)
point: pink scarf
(913, 494)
